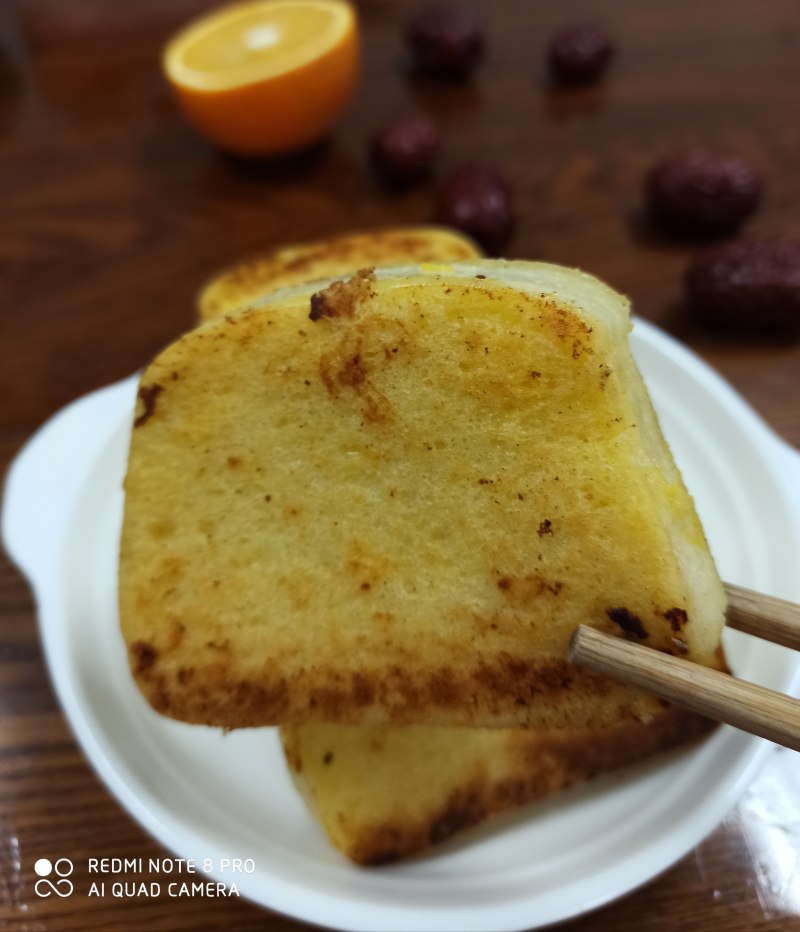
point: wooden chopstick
(763, 615)
(716, 695)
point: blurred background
(114, 212)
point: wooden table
(113, 212)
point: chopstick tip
(574, 648)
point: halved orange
(266, 77)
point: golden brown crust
(210, 691)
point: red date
(702, 192)
(404, 149)
(748, 287)
(579, 53)
(476, 200)
(444, 42)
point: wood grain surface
(113, 213)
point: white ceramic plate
(206, 795)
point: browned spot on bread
(677, 618)
(464, 808)
(342, 299)
(160, 702)
(352, 373)
(518, 679)
(566, 324)
(368, 566)
(629, 622)
(363, 690)
(219, 645)
(147, 395)
(144, 656)
(522, 590)
(353, 363)
(346, 368)
(319, 307)
(382, 855)
(293, 757)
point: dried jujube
(404, 149)
(747, 286)
(444, 41)
(699, 191)
(476, 200)
(579, 53)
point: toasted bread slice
(395, 499)
(250, 279)
(382, 792)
